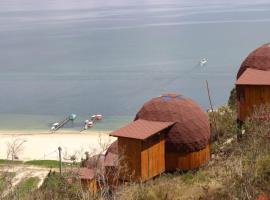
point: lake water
(97, 56)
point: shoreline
(42, 145)
(48, 132)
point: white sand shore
(43, 145)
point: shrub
(223, 126)
(232, 103)
(248, 166)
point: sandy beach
(42, 145)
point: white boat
(90, 124)
(97, 117)
(54, 126)
(203, 61)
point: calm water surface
(86, 56)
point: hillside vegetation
(239, 169)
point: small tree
(14, 148)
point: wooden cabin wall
(153, 156)
(249, 96)
(90, 185)
(130, 158)
(187, 161)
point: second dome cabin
(253, 82)
(169, 133)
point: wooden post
(212, 109)
(209, 97)
(60, 160)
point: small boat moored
(203, 61)
(97, 117)
(88, 124)
(54, 126)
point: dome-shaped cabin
(170, 132)
(259, 59)
(187, 141)
(253, 82)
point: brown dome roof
(257, 59)
(190, 133)
(111, 155)
(93, 162)
(113, 148)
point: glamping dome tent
(258, 59)
(253, 82)
(187, 142)
(169, 133)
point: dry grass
(239, 170)
(223, 125)
(247, 166)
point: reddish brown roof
(111, 155)
(257, 59)
(85, 173)
(254, 77)
(93, 162)
(191, 132)
(141, 129)
(111, 159)
(113, 148)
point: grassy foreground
(23, 189)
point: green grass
(49, 163)
(4, 178)
(5, 162)
(43, 163)
(26, 186)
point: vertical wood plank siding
(249, 96)
(152, 157)
(144, 159)
(147, 159)
(90, 185)
(130, 151)
(187, 161)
